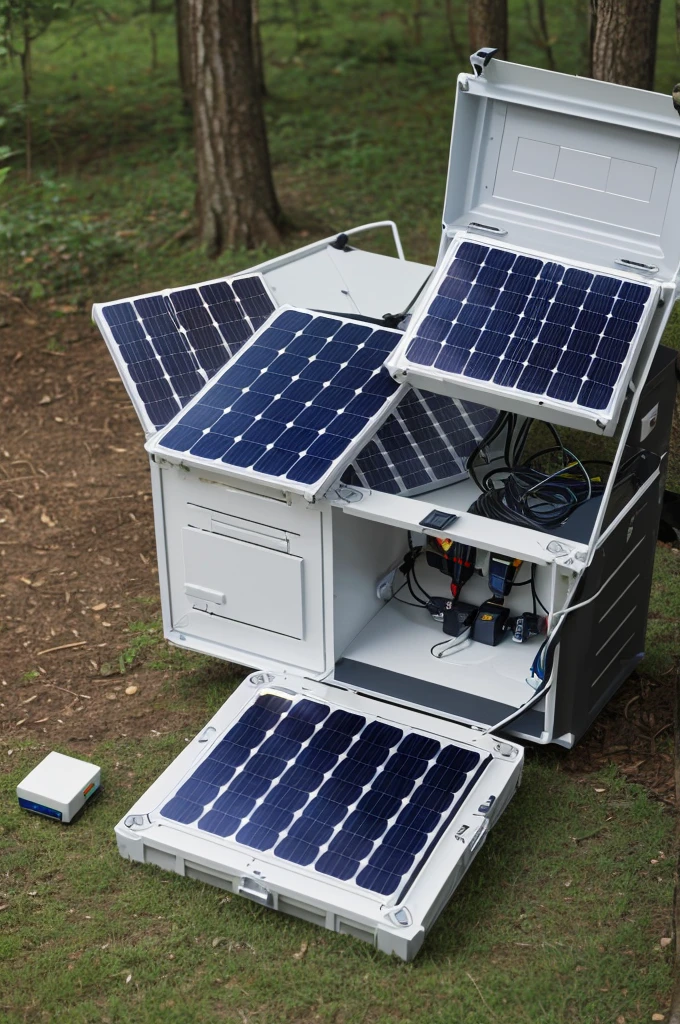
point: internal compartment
(395, 646)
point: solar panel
(424, 444)
(294, 404)
(167, 345)
(346, 796)
(501, 323)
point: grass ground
(562, 917)
(560, 920)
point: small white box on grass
(59, 787)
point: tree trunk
(183, 51)
(488, 25)
(624, 41)
(236, 201)
(257, 48)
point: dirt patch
(77, 552)
(78, 562)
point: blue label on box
(30, 805)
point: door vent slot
(302, 910)
(160, 858)
(349, 928)
(200, 874)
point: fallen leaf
(620, 1020)
(47, 520)
(33, 892)
(4, 906)
(658, 1016)
(29, 699)
(99, 607)
(128, 979)
(301, 952)
(567, 883)
(130, 690)
(110, 696)
(218, 941)
(600, 789)
(665, 941)
(25, 579)
(45, 400)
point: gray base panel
(468, 707)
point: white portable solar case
(258, 574)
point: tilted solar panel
(294, 404)
(167, 345)
(498, 323)
(423, 445)
(349, 797)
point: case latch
(481, 58)
(255, 891)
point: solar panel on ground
(169, 344)
(424, 444)
(294, 402)
(519, 324)
(349, 797)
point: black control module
(489, 624)
(458, 616)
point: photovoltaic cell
(291, 403)
(529, 325)
(354, 799)
(424, 444)
(169, 344)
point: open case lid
(349, 812)
(558, 243)
(579, 169)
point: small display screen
(438, 520)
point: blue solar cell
(356, 772)
(235, 804)
(337, 866)
(214, 771)
(564, 387)
(350, 845)
(327, 812)
(285, 797)
(219, 824)
(199, 791)
(452, 359)
(182, 810)
(384, 882)
(257, 836)
(271, 817)
(409, 840)
(481, 365)
(368, 826)
(456, 757)
(231, 753)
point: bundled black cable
(527, 495)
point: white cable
(534, 699)
(459, 643)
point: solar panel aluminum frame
(114, 348)
(309, 491)
(395, 925)
(542, 407)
